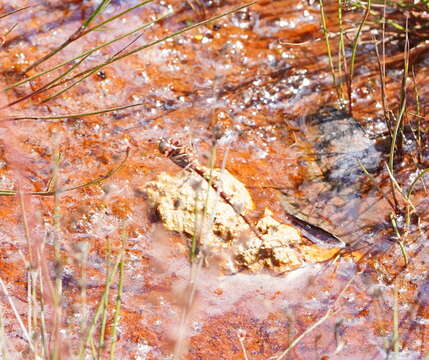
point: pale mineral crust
(186, 203)
(181, 200)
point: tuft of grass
(102, 309)
(59, 80)
(342, 67)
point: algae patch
(181, 200)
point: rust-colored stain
(247, 82)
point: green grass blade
(176, 33)
(96, 68)
(48, 85)
(85, 53)
(328, 48)
(100, 8)
(356, 40)
(59, 191)
(76, 35)
(172, 35)
(418, 177)
(403, 103)
(14, 11)
(119, 57)
(68, 116)
(109, 20)
(99, 311)
(118, 304)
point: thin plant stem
(172, 35)
(3, 38)
(76, 35)
(328, 48)
(14, 11)
(88, 338)
(49, 85)
(52, 186)
(381, 60)
(58, 191)
(395, 339)
(328, 313)
(243, 348)
(68, 116)
(403, 102)
(205, 227)
(418, 133)
(398, 238)
(418, 177)
(29, 302)
(17, 316)
(98, 10)
(103, 23)
(341, 49)
(96, 68)
(374, 182)
(118, 303)
(85, 53)
(83, 256)
(398, 187)
(43, 332)
(105, 303)
(354, 48)
(155, 42)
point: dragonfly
(341, 149)
(184, 157)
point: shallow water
(242, 79)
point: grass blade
(76, 35)
(172, 35)
(90, 51)
(118, 298)
(96, 68)
(58, 191)
(48, 85)
(14, 11)
(356, 40)
(403, 102)
(99, 311)
(418, 177)
(68, 116)
(328, 48)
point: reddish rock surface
(239, 74)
